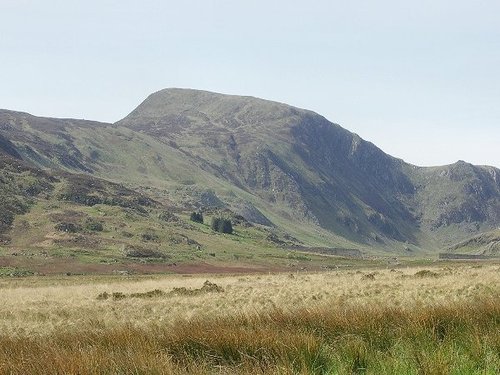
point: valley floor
(433, 320)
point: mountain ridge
(291, 165)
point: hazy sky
(420, 79)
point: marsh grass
(311, 323)
(426, 273)
(441, 339)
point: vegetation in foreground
(458, 338)
(414, 321)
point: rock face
(276, 159)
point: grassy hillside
(294, 158)
(158, 169)
(487, 243)
(20, 185)
(285, 168)
(60, 222)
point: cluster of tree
(197, 217)
(219, 224)
(223, 225)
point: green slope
(61, 222)
(294, 158)
(487, 243)
(285, 167)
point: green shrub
(149, 236)
(68, 227)
(94, 225)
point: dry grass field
(439, 320)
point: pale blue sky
(420, 79)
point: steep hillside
(297, 159)
(276, 165)
(20, 185)
(289, 157)
(47, 142)
(456, 201)
(487, 243)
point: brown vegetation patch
(208, 287)
(168, 217)
(143, 252)
(89, 191)
(40, 264)
(443, 339)
(67, 216)
(369, 276)
(68, 227)
(150, 236)
(87, 242)
(426, 273)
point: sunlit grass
(446, 320)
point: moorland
(410, 320)
(207, 233)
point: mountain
(487, 243)
(322, 173)
(273, 164)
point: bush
(169, 217)
(426, 273)
(149, 236)
(197, 217)
(68, 227)
(94, 225)
(222, 225)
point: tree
(215, 223)
(197, 217)
(222, 225)
(227, 226)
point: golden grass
(407, 321)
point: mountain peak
(198, 106)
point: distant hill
(273, 164)
(487, 243)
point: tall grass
(456, 338)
